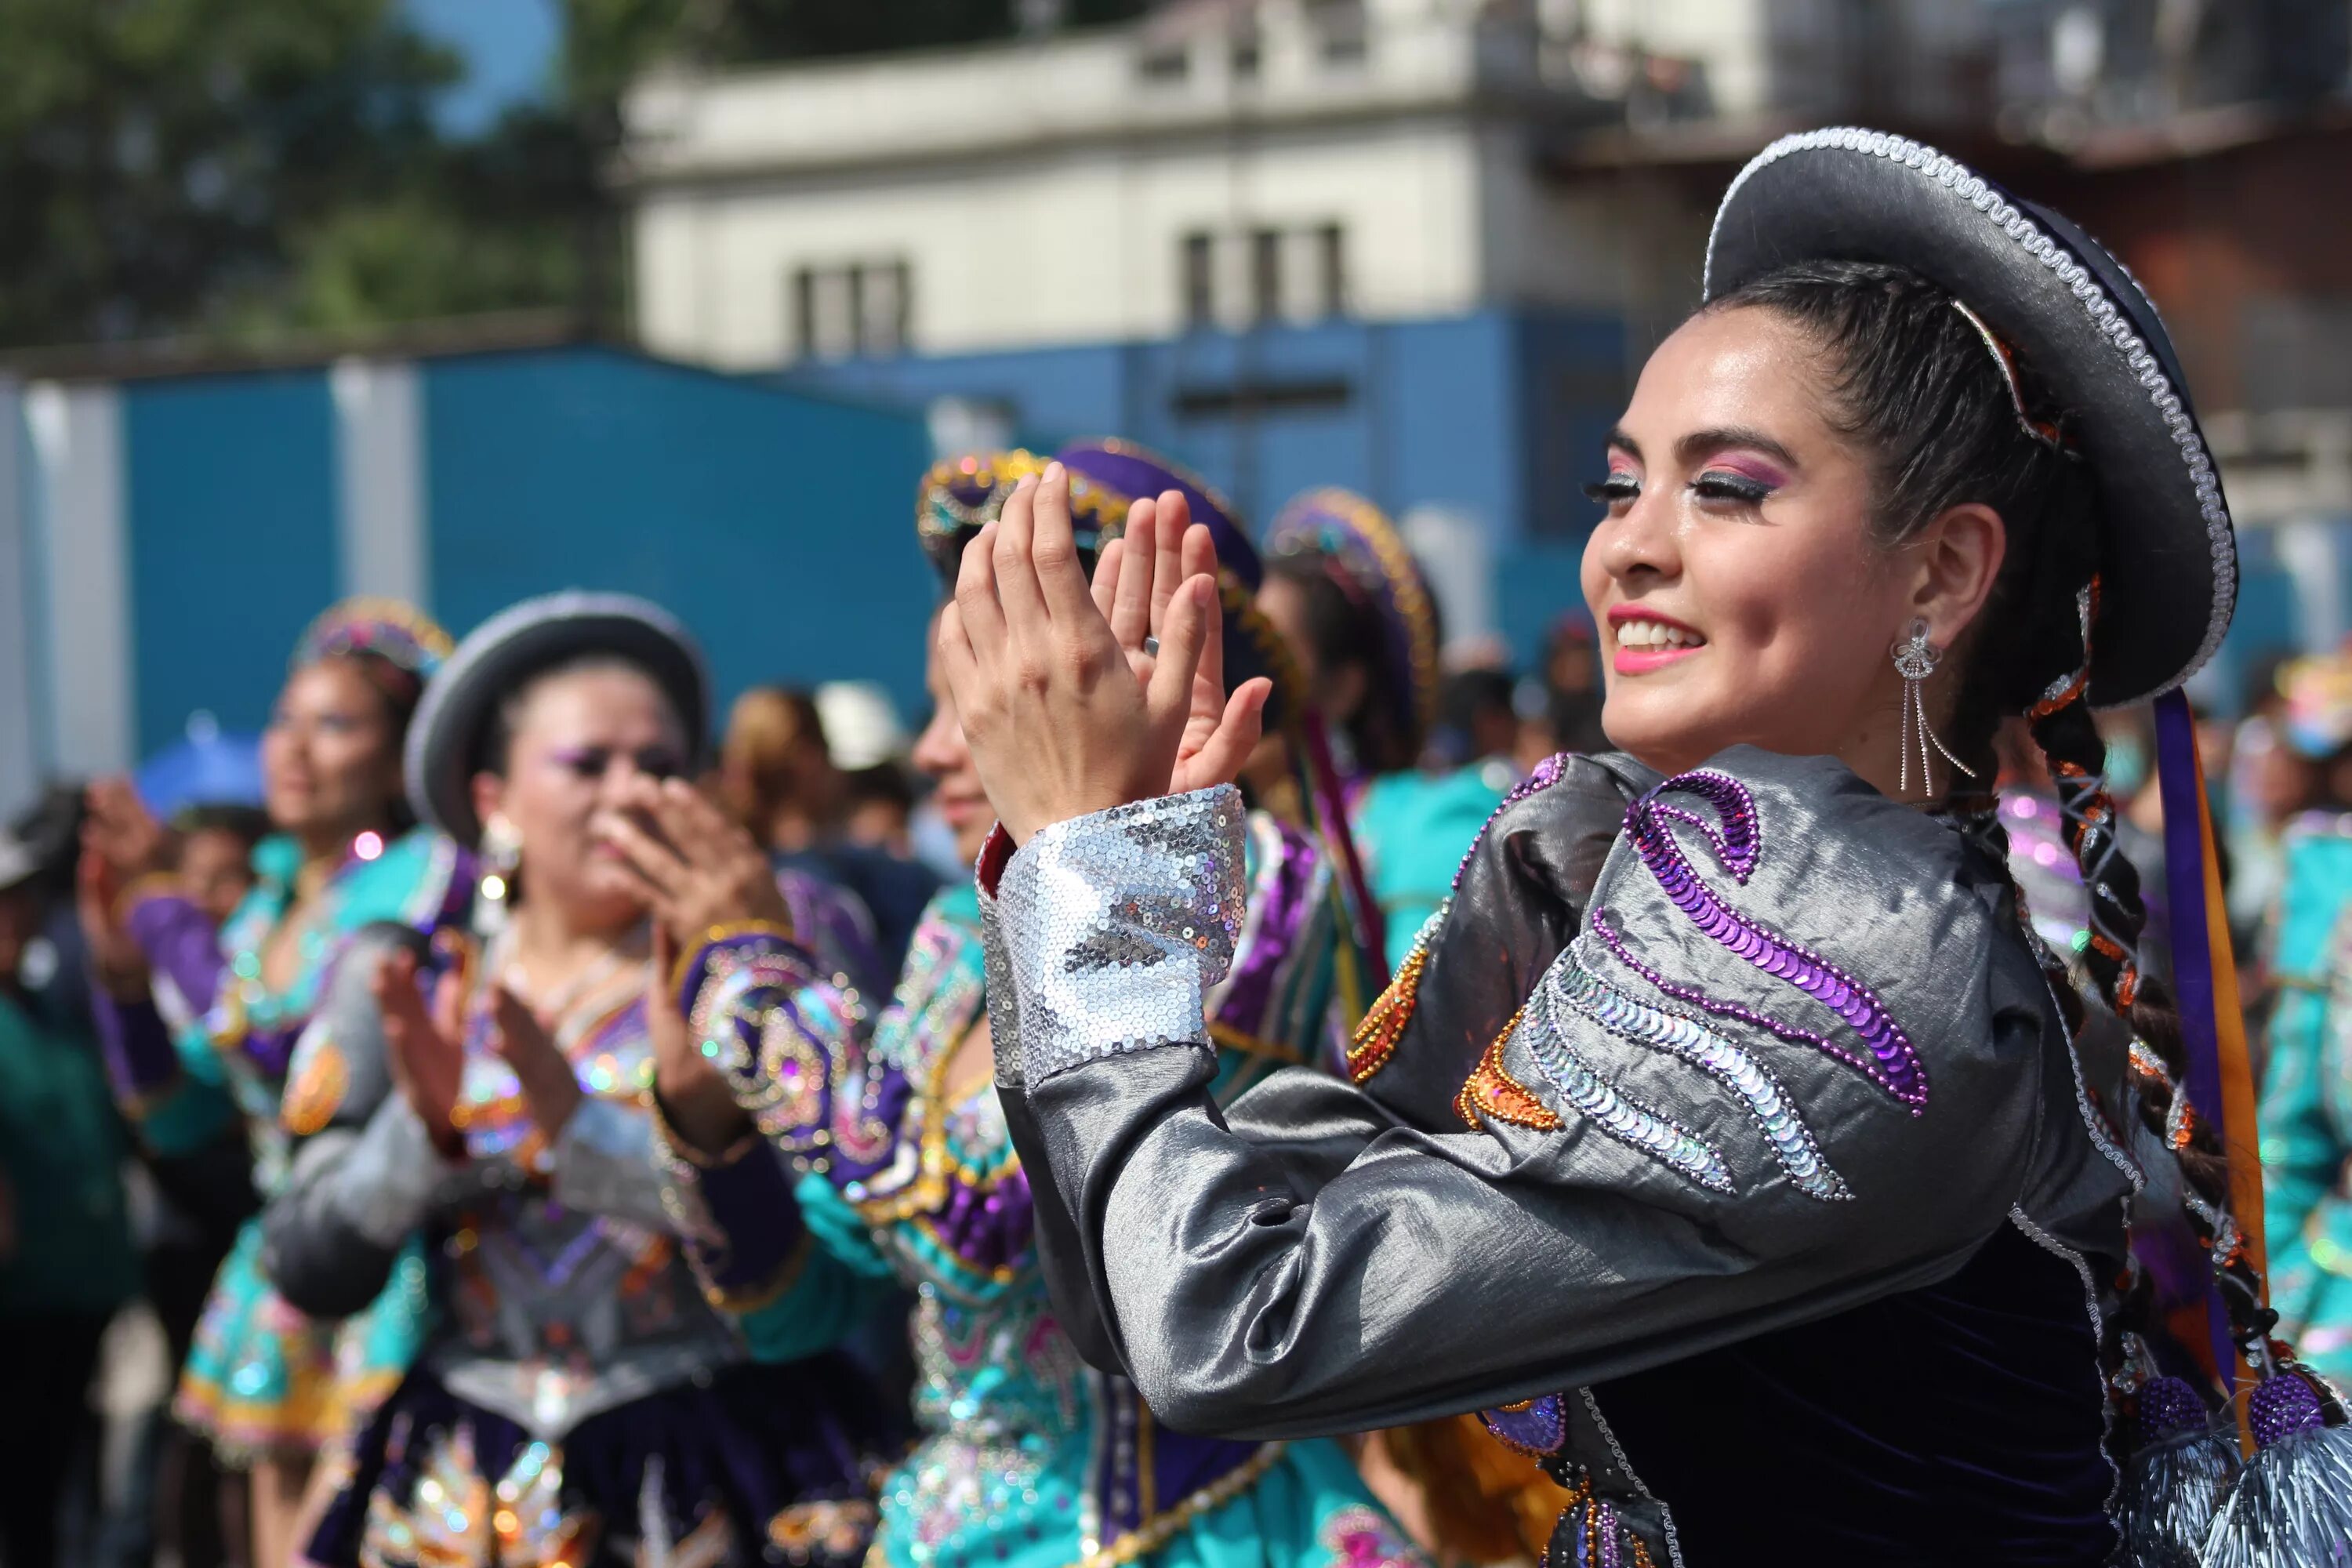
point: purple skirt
(764, 1463)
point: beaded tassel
(2293, 1503)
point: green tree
(236, 169)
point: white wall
(1069, 246)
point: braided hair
(1948, 416)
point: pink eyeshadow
(1755, 468)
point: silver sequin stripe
(2105, 316)
(1585, 1091)
(1572, 985)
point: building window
(1200, 270)
(1331, 270)
(852, 307)
(1263, 274)
(1339, 31)
(1266, 275)
(1168, 63)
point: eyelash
(1712, 486)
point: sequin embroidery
(1570, 984)
(1892, 1062)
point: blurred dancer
(268, 1384)
(1027, 1457)
(578, 1401)
(2306, 1110)
(1360, 619)
(777, 775)
(66, 1258)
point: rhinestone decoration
(1892, 1062)
(1569, 984)
(1116, 926)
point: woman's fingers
(1130, 616)
(978, 609)
(1104, 585)
(660, 866)
(1175, 514)
(1018, 595)
(1200, 560)
(1220, 758)
(1053, 552)
(1169, 696)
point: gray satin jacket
(561, 1279)
(1680, 1063)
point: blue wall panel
(779, 527)
(230, 524)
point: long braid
(2062, 726)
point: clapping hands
(1077, 698)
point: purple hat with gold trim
(961, 496)
(1253, 647)
(1367, 557)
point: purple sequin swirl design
(2281, 1407)
(1891, 1063)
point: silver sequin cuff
(393, 1176)
(1114, 926)
(1003, 996)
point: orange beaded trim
(1384, 1022)
(1493, 1092)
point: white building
(1224, 162)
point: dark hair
(494, 752)
(1916, 384)
(1344, 629)
(247, 824)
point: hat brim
(503, 653)
(2168, 564)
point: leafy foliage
(236, 168)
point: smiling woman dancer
(201, 1027)
(1725, 1137)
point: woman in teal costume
(1358, 614)
(898, 1160)
(2306, 1109)
(201, 1025)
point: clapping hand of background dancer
(121, 843)
(702, 871)
(1074, 698)
(427, 1052)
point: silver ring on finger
(1151, 648)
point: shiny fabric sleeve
(778, 1029)
(182, 943)
(366, 1173)
(1787, 1062)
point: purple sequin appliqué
(1538, 1426)
(1893, 1063)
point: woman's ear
(1956, 561)
(489, 795)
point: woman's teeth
(1655, 633)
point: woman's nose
(1640, 540)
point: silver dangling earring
(1915, 659)
(501, 856)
